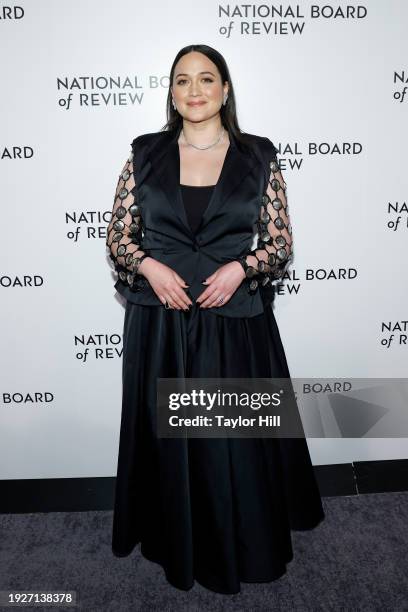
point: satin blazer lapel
(165, 160)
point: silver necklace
(209, 146)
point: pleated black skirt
(220, 510)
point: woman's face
(197, 88)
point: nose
(194, 88)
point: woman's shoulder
(262, 146)
(264, 142)
(147, 139)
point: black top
(196, 199)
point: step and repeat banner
(325, 81)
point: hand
(166, 283)
(223, 283)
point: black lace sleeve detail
(271, 258)
(125, 231)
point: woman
(199, 304)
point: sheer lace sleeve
(274, 251)
(125, 230)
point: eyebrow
(204, 72)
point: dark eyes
(205, 79)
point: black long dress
(218, 511)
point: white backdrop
(313, 78)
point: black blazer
(227, 227)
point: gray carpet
(355, 560)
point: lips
(195, 103)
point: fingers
(176, 298)
(213, 299)
(207, 296)
(212, 277)
(174, 304)
(170, 289)
(173, 295)
(182, 302)
(180, 280)
(179, 300)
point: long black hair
(228, 112)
